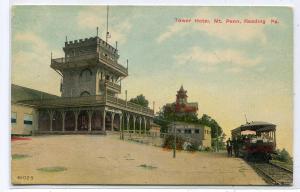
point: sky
(229, 69)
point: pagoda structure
(181, 106)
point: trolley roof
(257, 126)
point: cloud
(31, 67)
(171, 30)
(228, 32)
(96, 16)
(28, 37)
(233, 60)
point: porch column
(76, 113)
(36, 122)
(145, 125)
(51, 113)
(121, 120)
(63, 114)
(127, 123)
(121, 127)
(134, 118)
(275, 138)
(112, 121)
(90, 114)
(103, 123)
(140, 121)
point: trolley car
(255, 140)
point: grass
(52, 169)
(19, 156)
(147, 166)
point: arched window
(85, 93)
(86, 75)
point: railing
(113, 63)
(105, 60)
(112, 85)
(66, 101)
(89, 101)
(129, 105)
(58, 60)
(64, 60)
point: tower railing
(114, 64)
(113, 86)
(81, 57)
(58, 62)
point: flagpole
(107, 9)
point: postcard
(151, 95)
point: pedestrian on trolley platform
(229, 147)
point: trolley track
(273, 174)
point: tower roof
(181, 88)
(181, 92)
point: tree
(140, 100)
(216, 130)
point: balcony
(90, 101)
(74, 61)
(66, 101)
(111, 86)
(88, 59)
(113, 64)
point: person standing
(229, 147)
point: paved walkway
(97, 159)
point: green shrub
(169, 142)
(283, 155)
(207, 149)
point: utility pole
(174, 145)
(126, 96)
(217, 141)
(122, 129)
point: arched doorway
(117, 120)
(108, 121)
(83, 121)
(57, 121)
(137, 125)
(70, 121)
(97, 121)
(131, 123)
(44, 121)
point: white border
(5, 8)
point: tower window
(86, 75)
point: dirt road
(95, 159)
